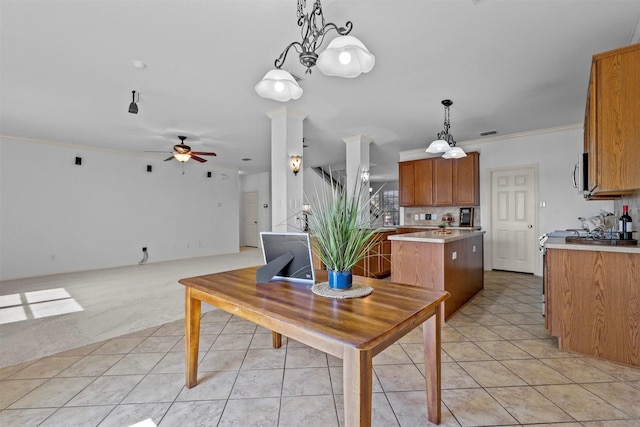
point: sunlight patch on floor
(36, 304)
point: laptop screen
(300, 268)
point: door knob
(529, 226)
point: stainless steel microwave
(581, 174)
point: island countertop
(436, 236)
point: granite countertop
(435, 236)
(559, 243)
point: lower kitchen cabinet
(592, 302)
(377, 262)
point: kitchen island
(451, 261)
(592, 299)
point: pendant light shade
(346, 56)
(438, 146)
(454, 153)
(278, 85)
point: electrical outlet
(473, 249)
(454, 255)
(422, 216)
(416, 217)
(434, 216)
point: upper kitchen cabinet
(466, 182)
(415, 182)
(612, 123)
(406, 183)
(440, 182)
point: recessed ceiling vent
(488, 132)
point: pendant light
(445, 142)
(346, 56)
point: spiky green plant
(341, 225)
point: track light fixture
(346, 56)
(133, 107)
(445, 142)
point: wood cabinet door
(406, 183)
(466, 188)
(443, 182)
(618, 120)
(424, 182)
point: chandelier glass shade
(445, 142)
(278, 85)
(346, 56)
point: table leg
(192, 336)
(276, 339)
(357, 383)
(431, 335)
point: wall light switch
(422, 216)
(454, 255)
(434, 216)
(416, 217)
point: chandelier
(345, 56)
(445, 142)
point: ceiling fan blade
(168, 158)
(198, 159)
(204, 153)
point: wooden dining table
(352, 329)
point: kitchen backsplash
(454, 211)
(634, 211)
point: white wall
(58, 217)
(260, 183)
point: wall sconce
(296, 162)
(365, 175)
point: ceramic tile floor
(499, 368)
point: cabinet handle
(575, 182)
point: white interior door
(513, 219)
(250, 218)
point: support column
(357, 158)
(286, 188)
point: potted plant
(341, 229)
(442, 226)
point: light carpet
(112, 301)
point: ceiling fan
(182, 152)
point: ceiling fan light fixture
(346, 56)
(181, 157)
(278, 85)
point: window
(390, 208)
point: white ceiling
(509, 65)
